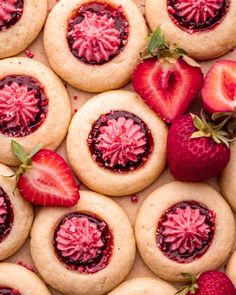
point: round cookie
(85, 249)
(116, 144)
(20, 23)
(184, 228)
(231, 268)
(147, 286)
(18, 280)
(226, 182)
(16, 215)
(95, 45)
(33, 102)
(205, 29)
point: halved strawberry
(44, 178)
(167, 80)
(219, 88)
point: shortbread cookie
(184, 228)
(86, 249)
(227, 179)
(20, 23)
(18, 280)
(34, 107)
(95, 45)
(16, 215)
(144, 286)
(231, 268)
(116, 145)
(205, 29)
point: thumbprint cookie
(95, 45)
(116, 144)
(20, 23)
(16, 215)
(85, 249)
(184, 228)
(34, 107)
(205, 29)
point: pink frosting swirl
(185, 230)
(79, 239)
(96, 37)
(198, 10)
(18, 105)
(3, 210)
(7, 8)
(121, 141)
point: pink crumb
(134, 199)
(29, 53)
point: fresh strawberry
(167, 79)
(208, 283)
(219, 88)
(196, 148)
(44, 178)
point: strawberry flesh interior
(197, 15)
(6, 215)
(83, 242)
(97, 33)
(219, 89)
(185, 231)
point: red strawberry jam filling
(120, 141)
(10, 13)
(7, 291)
(197, 15)
(185, 231)
(97, 33)
(23, 105)
(6, 215)
(83, 242)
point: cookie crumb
(134, 199)
(75, 97)
(29, 53)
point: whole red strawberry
(210, 283)
(196, 149)
(167, 79)
(44, 178)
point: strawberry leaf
(35, 150)
(156, 41)
(19, 151)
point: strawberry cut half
(168, 88)
(219, 88)
(44, 178)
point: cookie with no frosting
(95, 45)
(20, 23)
(116, 144)
(184, 228)
(16, 215)
(141, 286)
(18, 280)
(85, 249)
(205, 29)
(34, 107)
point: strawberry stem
(25, 159)
(165, 52)
(192, 288)
(207, 128)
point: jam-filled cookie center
(197, 15)
(23, 105)
(10, 13)
(185, 231)
(8, 291)
(120, 141)
(83, 242)
(97, 33)
(6, 215)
